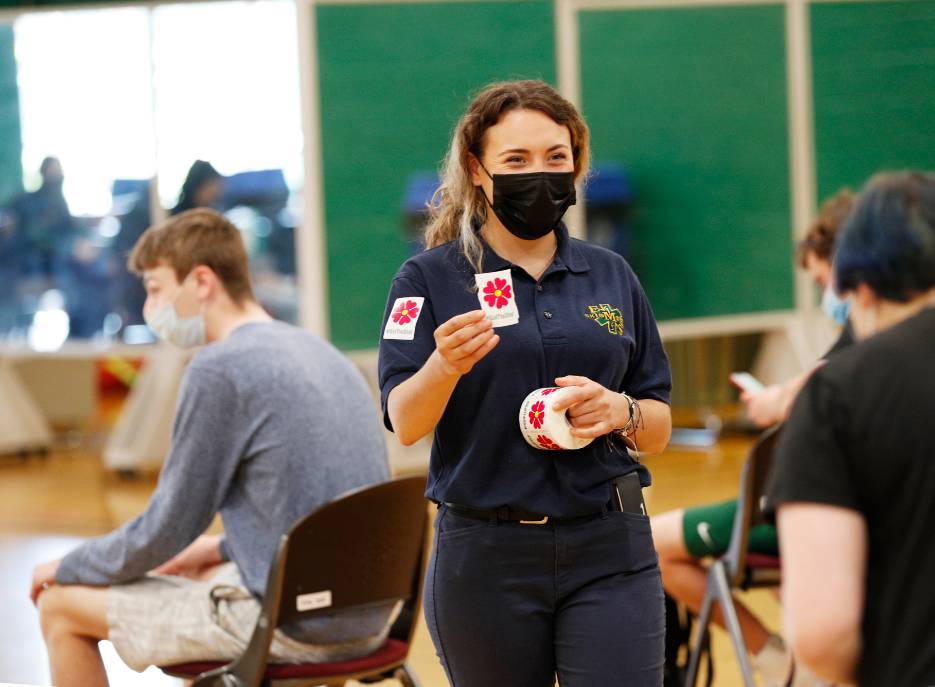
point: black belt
(626, 497)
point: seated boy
(271, 422)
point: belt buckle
(535, 522)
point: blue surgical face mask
(834, 307)
(185, 332)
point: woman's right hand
(463, 340)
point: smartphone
(629, 494)
(746, 382)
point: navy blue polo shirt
(587, 315)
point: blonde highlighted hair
(458, 207)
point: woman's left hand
(593, 410)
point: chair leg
(701, 634)
(719, 577)
(218, 678)
(406, 676)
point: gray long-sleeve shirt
(271, 422)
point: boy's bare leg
(684, 578)
(74, 620)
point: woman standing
(543, 561)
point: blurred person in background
(43, 224)
(771, 404)
(128, 294)
(854, 479)
(9, 273)
(202, 188)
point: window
(125, 101)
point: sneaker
(803, 677)
(773, 663)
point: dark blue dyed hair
(888, 240)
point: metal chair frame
(732, 571)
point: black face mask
(532, 204)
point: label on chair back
(310, 602)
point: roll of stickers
(544, 428)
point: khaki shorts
(164, 620)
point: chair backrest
(751, 500)
(364, 548)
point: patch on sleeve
(402, 323)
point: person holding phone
(769, 405)
(543, 562)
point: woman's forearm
(653, 433)
(416, 405)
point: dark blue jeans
(511, 605)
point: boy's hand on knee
(43, 576)
(202, 553)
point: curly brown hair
(458, 207)
(823, 231)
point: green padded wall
(693, 102)
(394, 79)
(11, 168)
(874, 84)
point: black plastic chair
(739, 569)
(365, 548)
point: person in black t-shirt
(685, 537)
(854, 478)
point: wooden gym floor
(49, 505)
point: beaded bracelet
(635, 422)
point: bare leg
(74, 620)
(684, 578)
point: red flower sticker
(547, 443)
(405, 312)
(498, 293)
(537, 414)
(546, 392)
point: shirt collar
(567, 255)
(569, 252)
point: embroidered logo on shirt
(606, 316)
(403, 317)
